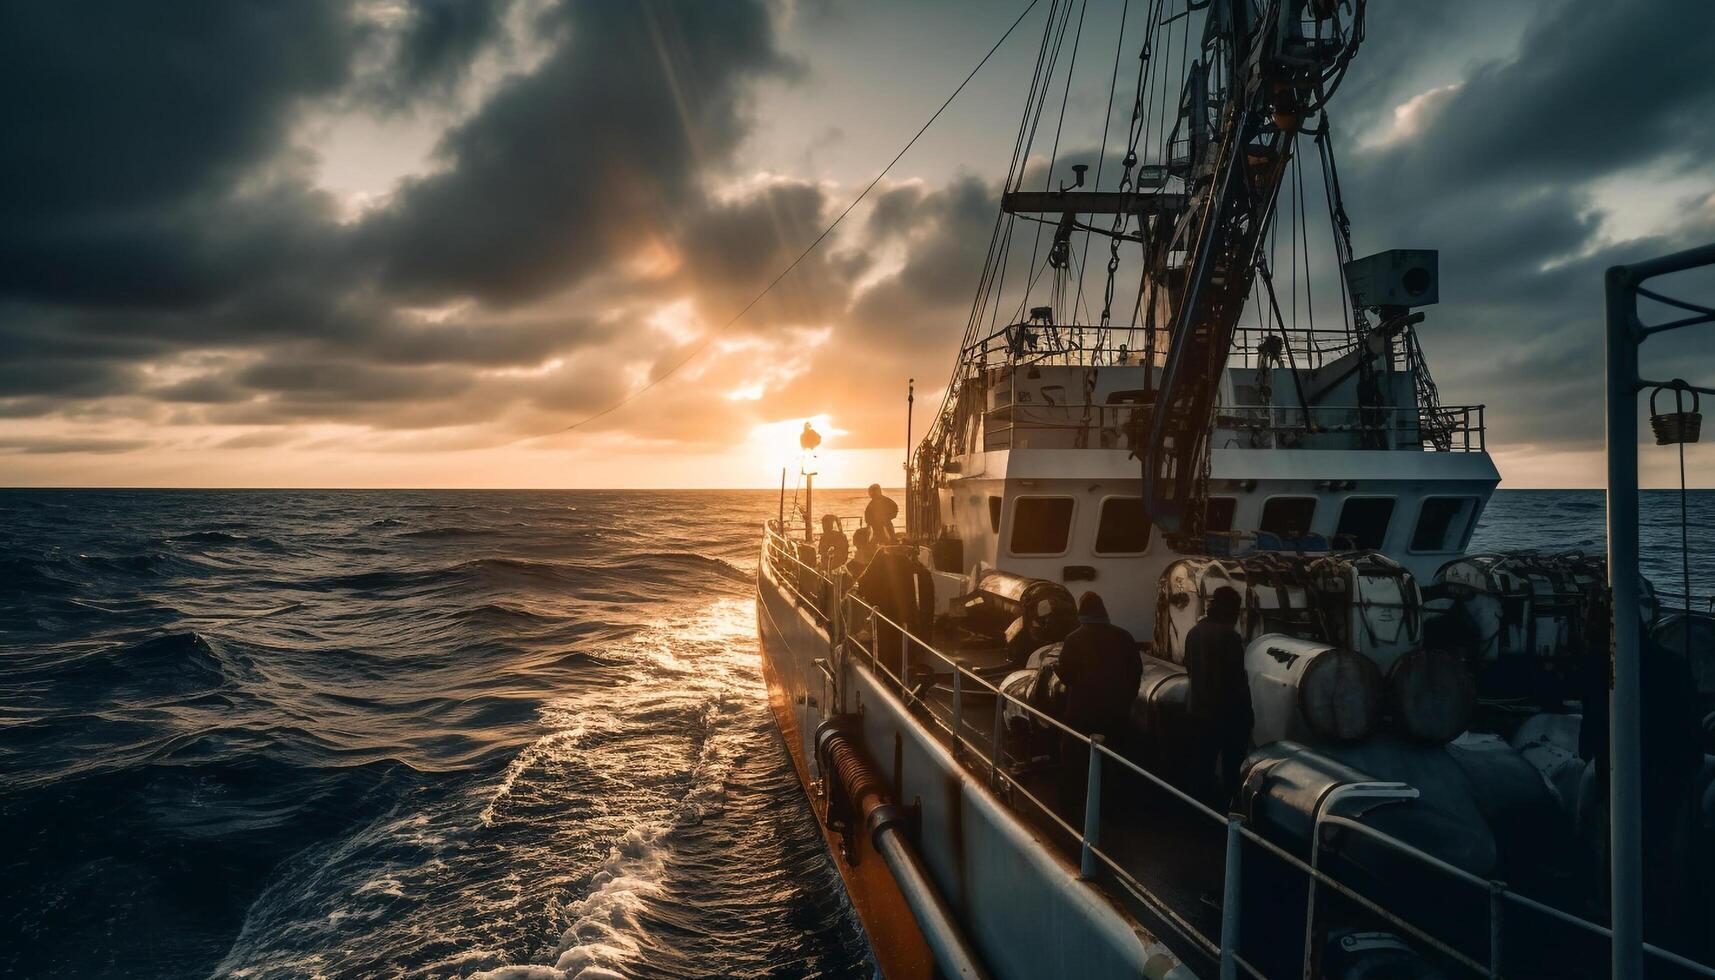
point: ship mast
(1197, 192)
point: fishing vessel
(1421, 796)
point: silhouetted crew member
(1671, 737)
(1219, 699)
(879, 515)
(863, 551)
(1101, 669)
(902, 590)
(833, 549)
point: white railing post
(1370, 791)
(958, 707)
(1087, 863)
(1231, 899)
(905, 667)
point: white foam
(702, 666)
(548, 745)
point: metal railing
(1030, 425)
(1088, 344)
(840, 610)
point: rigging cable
(709, 338)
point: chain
(1125, 188)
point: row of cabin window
(1043, 525)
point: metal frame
(1464, 425)
(1093, 861)
(1625, 334)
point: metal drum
(1430, 695)
(1310, 692)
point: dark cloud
(155, 205)
(582, 159)
(51, 446)
(1501, 173)
(441, 39)
(130, 125)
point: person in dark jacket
(1100, 669)
(833, 549)
(878, 515)
(1671, 757)
(1100, 666)
(1219, 699)
(901, 589)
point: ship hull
(1018, 900)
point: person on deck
(900, 589)
(1219, 699)
(878, 516)
(1671, 756)
(863, 551)
(1101, 669)
(833, 549)
(1100, 666)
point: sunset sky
(409, 242)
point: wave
(174, 663)
(678, 559)
(448, 532)
(206, 537)
(258, 542)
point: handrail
(1244, 426)
(1129, 881)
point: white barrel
(1309, 691)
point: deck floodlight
(1398, 277)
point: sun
(779, 444)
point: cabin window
(1123, 528)
(1041, 525)
(1288, 517)
(1364, 520)
(994, 514)
(1443, 524)
(1218, 513)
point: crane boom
(1263, 75)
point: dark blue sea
(432, 734)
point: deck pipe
(888, 824)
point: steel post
(1497, 906)
(999, 731)
(1625, 813)
(1366, 791)
(958, 708)
(1231, 899)
(1088, 864)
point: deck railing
(1023, 344)
(838, 610)
(1030, 425)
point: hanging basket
(1678, 426)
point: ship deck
(1164, 860)
(1176, 857)
(1160, 854)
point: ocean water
(432, 734)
